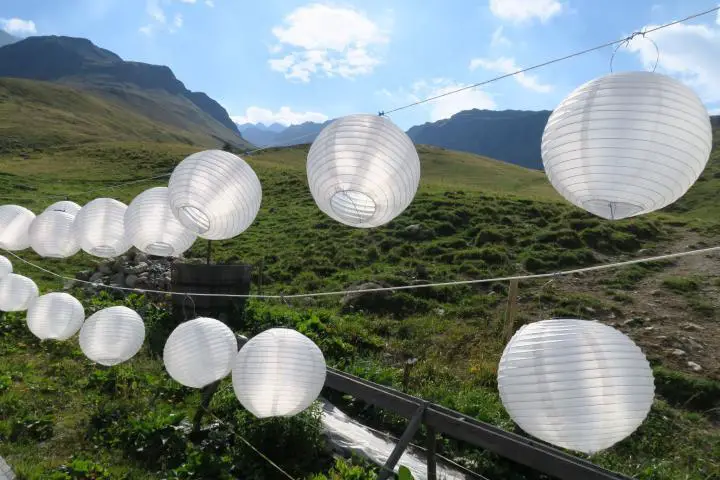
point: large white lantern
(100, 228)
(200, 352)
(64, 206)
(112, 335)
(279, 372)
(215, 194)
(17, 293)
(151, 226)
(6, 267)
(55, 316)
(576, 384)
(363, 170)
(14, 223)
(627, 144)
(52, 234)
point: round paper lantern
(151, 226)
(100, 228)
(279, 372)
(214, 194)
(200, 352)
(14, 223)
(112, 335)
(576, 384)
(5, 267)
(627, 144)
(55, 316)
(64, 206)
(52, 235)
(363, 170)
(17, 293)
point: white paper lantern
(52, 235)
(64, 206)
(100, 228)
(200, 352)
(112, 335)
(151, 226)
(55, 316)
(627, 144)
(363, 170)
(14, 223)
(6, 267)
(215, 194)
(279, 372)
(576, 384)
(17, 293)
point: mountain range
(150, 90)
(6, 38)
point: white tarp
(347, 434)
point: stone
(589, 310)
(84, 274)
(691, 326)
(678, 353)
(131, 280)
(695, 367)
(140, 257)
(96, 277)
(631, 322)
(118, 279)
(69, 284)
(105, 268)
(118, 266)
(649, 329)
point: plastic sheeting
(6, 472)
(347, 434)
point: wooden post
(431, 450)
(409, 364)
(511, 311)
(404, 441)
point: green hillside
(63, 417)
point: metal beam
(403, 442)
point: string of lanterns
(622, 145)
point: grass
(472, 218)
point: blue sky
(296, 60)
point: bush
(80, 468)
(684, 391)
(565, 238)
(344, 470)
(681, 284)
(31, 429)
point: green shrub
(82, 469)
(681, 284)
(344, 470)
(684, 391)
(31, 429)
(565, 238)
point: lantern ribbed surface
(151, 226)
(6, 267)
(17, 293)
(627, 144)
(64, 206)
(100, 228)
(14, 224)
(199, 352)
(279, 372)
(215, 194)
(363, 170)
(55, 316)
(112, 335)
(52, 235)
(576, 384)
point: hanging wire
(626, 43)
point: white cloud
(714, 111)
(687, 52)
(153, 8)
(327, 40)
(284, 116)
(188, 1)
(443, 107)
(520, 11)
(210, 3)
(18, 26)
(146, 30)
(178, 21)
(506, 65)
(498, 39)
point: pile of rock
(134, 270)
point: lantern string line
(555, 60)
(283, 297)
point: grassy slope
(477, 218)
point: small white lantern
(279, 372)
(627, 144)
(100, 228)
(17, 293)
(152, 227)
(576, 384)
(6, 267)
(64, 206)
(215, 194)
(363, 170)
(14, 223)
(52, 235)
(55, 316)
(199, 352)
(112, 335)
